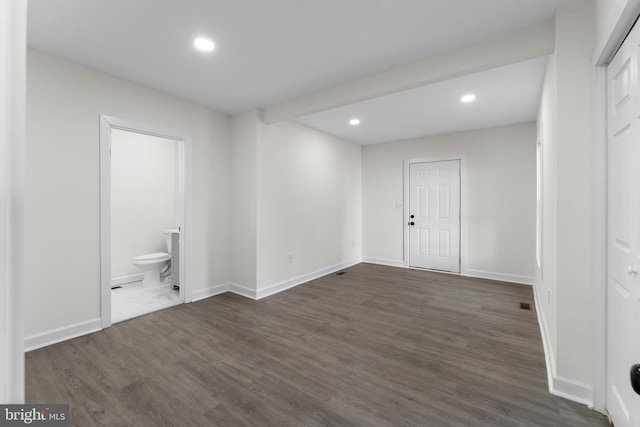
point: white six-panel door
(434, 215)
(623, 283)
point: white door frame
(463, 204)
(13, 50)
(603, 55)
(184, 198)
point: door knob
(635, 378)
(631, 271)
(412, 216)
(412, 223)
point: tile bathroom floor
(132, 300)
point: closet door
(623, 281)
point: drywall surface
(498, 199)
(64, 102)
(547, 271)
(144, 187)
(563, 283)
(575, 43)
(244, 131)
(309, 202)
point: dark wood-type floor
(377, 346)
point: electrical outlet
(290, 257)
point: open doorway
(145, 207)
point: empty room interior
(322, 213)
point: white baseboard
(502, 277)
(288, 284)
(380, 261)
(559, 386)
(54, 336)
(242, 291)
(572, 390)
(119, 281)
(62, 334)
(209, 292)
(549, 357)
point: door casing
(605, 51)
(185, 197)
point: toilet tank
(172, 238)
(167, 237)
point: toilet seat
(152, 258)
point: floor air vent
(525, 306)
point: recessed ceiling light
(354, 122)
(203, 44)
(468, 98)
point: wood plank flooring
(377, 346)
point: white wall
(64, 101)
(143, 197)
(608, 12)
(499, 209)
(575, 43)
(309, 202)
(244, 133)
(564, 285)
(546, 277)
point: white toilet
(152, 264)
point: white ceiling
(504, 96)
(269, 52)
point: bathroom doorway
(145, 211)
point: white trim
(186, 246)
(502, 277)
(13, 47)
(559, 386)
(242, 291)
(119, 281)
(380, 261)
(62, 334)
(540, 197)
(463, 204)
(479, 274)
(605, 51)
(572, 390)
(599, 182)
(105, 222)
(549, 358)
(209, 292)
(617, 33)
(288, 284)
(108, 123)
